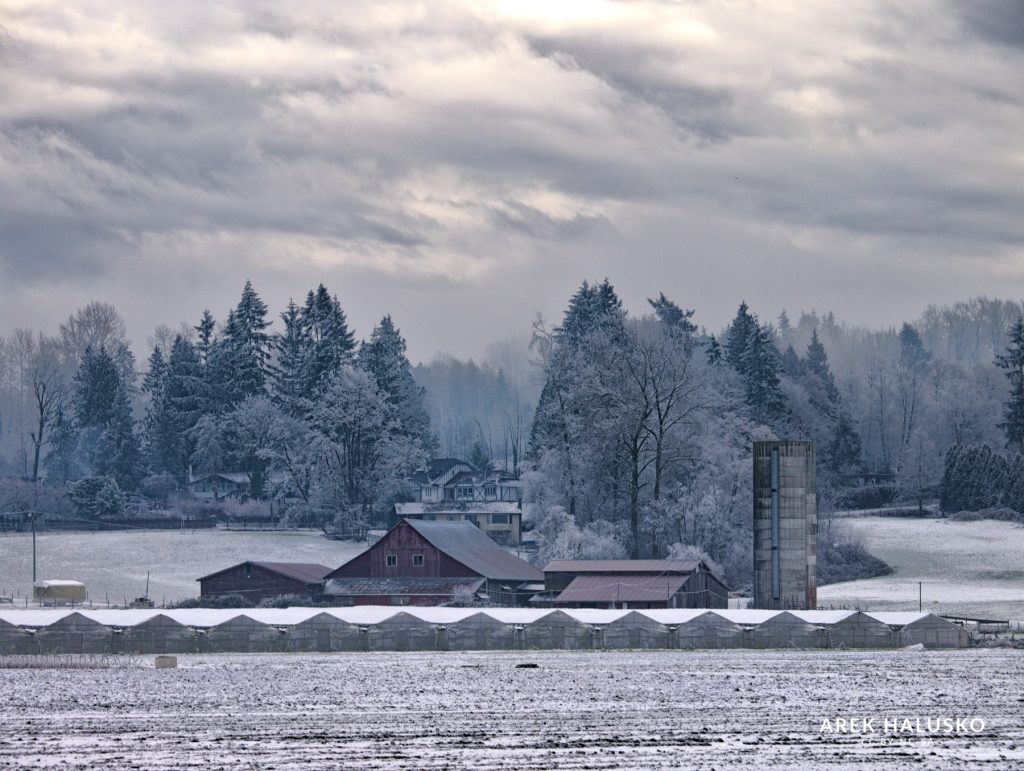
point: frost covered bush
(221, 601)
(97, 497)
(559, 538)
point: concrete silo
(785, 526)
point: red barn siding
(403, 542)
(255, 584)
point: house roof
(466, 543)
(306, 572)
(635, 567)
(621, 589)
(441, 587)
(416, 509)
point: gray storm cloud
(465, 165)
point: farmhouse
(450, 490)
(428, 563)
(258, 580)
(633, 584)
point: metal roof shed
(933, 632)
(633, 630)
(402, 632)
(480, 632)
(324, 633)
(785, 630)
(556, 631)
(75, 633)
(855, 630)
(242, 634)
(159, 634)
(14, 639)
(709, 630)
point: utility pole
(33, 516)
(920, 603)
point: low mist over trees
(631, 427)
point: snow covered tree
(287, 374)
(760, 370)
(383, 356)
(237, 365)
(205, 340)
(1013, 363)
(328, 343)
(739, 336)
(117, 454)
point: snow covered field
(114, 565)
(478, 710)
(974, 569)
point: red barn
(420, 562)
(258, 580)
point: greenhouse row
(378, 628)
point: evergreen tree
(790, 363)
(328, 342)
(739, 337)
(117, 454)
(816, 365)
(95, 386)
(713, 351)
(287, 374)
(238, 363)
(591, 309)
(1013, 362)
(153, 382)
(383, 357)
(62, 460)
(760, 370)
(672, 316)
(844, 451)
(204, 328)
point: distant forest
(631, 430)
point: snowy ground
(114, 565)
(974, 569)
(478, 710)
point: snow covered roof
(380, 587)
(53, 583)
(622, 566)
(372, 614)
(453, 507)
(466, 543)
(306, 572)
(621, 588)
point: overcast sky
(463, 166)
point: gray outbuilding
(324, 633)
(709, 630)
(75, 633)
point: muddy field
(573, 710)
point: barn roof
(466, 543)
(306, 572)
(383, 587)
(622, 566)
(621, 589)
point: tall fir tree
(117, 454)
(816, 365)
(1013, 363)
(287, 374)
(238, 362)
(95, 385)
(739, 337)
(205, 340)
(327, 341)
(760, 370)
(383, 356)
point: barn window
(417, 560)
(399, 600)
(392, 560)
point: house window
(465, 492)
(499, 519)
(417, 560)
(399, 600)
(392, 560)
(490, 491)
